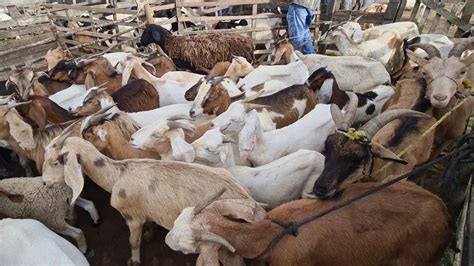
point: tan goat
(141, 189)
(391, 227)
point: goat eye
(210, 150)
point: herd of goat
(227, 160)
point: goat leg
(89, 207)
(77, 235)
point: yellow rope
(433, 127)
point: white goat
(70, 98)
(29, 242)
(291, 74)
(406, 30)
(275, 183)
(441, 42)
(264, 147)
(171, 87)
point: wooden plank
(391, 12)
(95, 21)
(254, 21)
(466, 16)
(414, 12)
(424, 18)
(328, 14)
(93, 46)
(224, 3)
(401, 9)
(219, 18)
(465, 26)
(185, 32)
(12, 44)
(19, 31)
(23, 21)
(163, 7)
(447, 26)
(340, 16)
(94, 9)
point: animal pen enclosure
(27, 37)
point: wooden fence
(448, 17)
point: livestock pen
(84, 31)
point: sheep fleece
(206, 50)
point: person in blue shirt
(300, 16)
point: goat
(108, 138)
(353, 73)
(370, 103)
(42, 85)
(22, 79)
(439, 41)
(37, 243)
(277, 110)
(206, 49)
(264, 147)
(387, 48)
(24, 197)
(377, 141)
(30, 143)
(171, 91)
(405, 29)
(275, 183)
(399, 215)
(138, 187)
(167, 139)
(136, 96)
(42, 111)
(444, 79)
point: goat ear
(247, 136)
(243, 209)
(21, 131)
(413, 57)
(325, 92)
(90, 80)
(73, 175)
(385, 154)
(357, 36)
(14, 197)
(224, 151)
(181, 150)
(337, 116)
(279, 53)
(38, 114)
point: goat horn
(152, 67)
(459, 48)
(180, 124)
(13, 105)
(351, 110)
(357, 19)
(179, 117)
(211, 237)
(161, 52)
(95, 118)
(201, 206)
(371, 127)
(7, 99)
(255, 96)
(65, 134)
(430, 49)
(218, 80)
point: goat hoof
(130, 262)
(90, 253)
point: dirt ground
(109, 240)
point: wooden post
(149, 15)
(254, 21)
(178, 16)
(466, 15)
(326, 16)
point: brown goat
(391, 227)
(44, 86)
(108, 139)
(162, 65)
(349, 160)
(287, 105)
(42, 111)
(136, 96)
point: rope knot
(292, 229)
